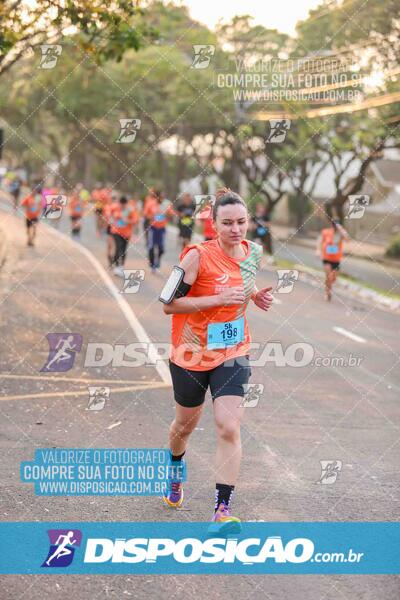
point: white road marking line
(349, 334)
(40, 395)
(130, 316)
(114, 425)
(55, 379)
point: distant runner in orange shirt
(204, 216)
(159, 214)
(136, 215)
(122, 219)
(185, 208)
(33, 208)
(330, 250)
(76, 207)
(101, 197)
(208, 229)
(148, 204)
(106, 216)
(211, 343)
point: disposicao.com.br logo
(196, 548)
(192, 550)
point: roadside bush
(393, 250)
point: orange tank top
(205, 339)
(332, 245)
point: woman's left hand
(263, 299)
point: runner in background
(97, 199)
(185, 209)
(260, 227)
(122, 220)
(33, 207)
(159, 214)
(76, 207)
(149, 203)
(108, 208)
(133, 203)
(84, 194)
(205, 216)
(330, 250)
(208, 228)
(107, 196)
(15, 190)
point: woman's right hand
(230, 296)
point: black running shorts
(335, 265)
(228, 379)
(31, 222)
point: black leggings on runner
(121, 245)
(155, 240)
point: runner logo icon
(132, 280)
(286, 280)
(329, 471)
(278, 131)
(62, 350)
(129, 129)
(202, 55)
(63, 543)
(357, 206)
(54, 206)
(97, 397)
(50, 54)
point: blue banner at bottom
(199, 548)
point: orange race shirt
(205, 339)
(107, 212)
(332, 245)
(76, 206)
(135, 210)
(121, 219)
(33, 206)
(208, 229)
(101, 197)
(96, 197)
(148, 205)
(158, 215)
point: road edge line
(126, 309)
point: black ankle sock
(223, 493)
(178, 457)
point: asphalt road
(372, 272)
(305, 415)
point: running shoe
(223, 523)
(174, 497)
(118, 271)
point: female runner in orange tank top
(330, 250)
(210, 346)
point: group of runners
(118, 218)
(207, 295)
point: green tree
(101, 29)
